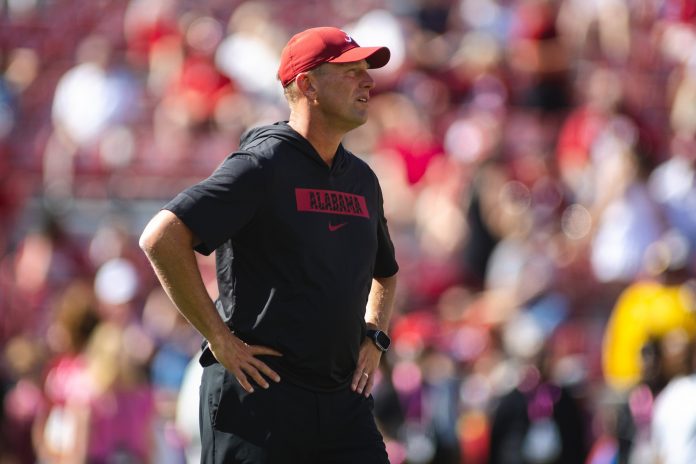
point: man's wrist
(372, 326)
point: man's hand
(377, 315)
(368, 363)
(240, 359)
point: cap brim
(376, 57)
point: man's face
(343, 93)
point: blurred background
(537, 163)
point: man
(306, 272)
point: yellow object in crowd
(644, 310)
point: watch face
(382, 340)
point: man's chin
(359, 121)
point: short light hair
(292, 93)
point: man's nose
(368, 81)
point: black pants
(285, 424)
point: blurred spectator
(538, 57)
(116, 285)
(186, 416)
(197, 87)
(597, 28)
(382, 26)
(599, 102)
(113, 405)
(605, 446)
(441, 397)
(21, 397)
(72, 324)
(91, 102)
(648, 308)
(673, 186)
(389, 412)
(44, 261)
(151, 32)
(539, 420)
(406, 135)
(483, 220)
(674, 417)
(628, 219)
(250, 54)
(176, 342)
(652, 318)
(663, 358)
(634, 412)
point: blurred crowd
(537, 162)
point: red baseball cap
(312, 47)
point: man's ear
(305, 85)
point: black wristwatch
(381, 339)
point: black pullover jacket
(297, 244)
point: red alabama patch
(331, 202)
